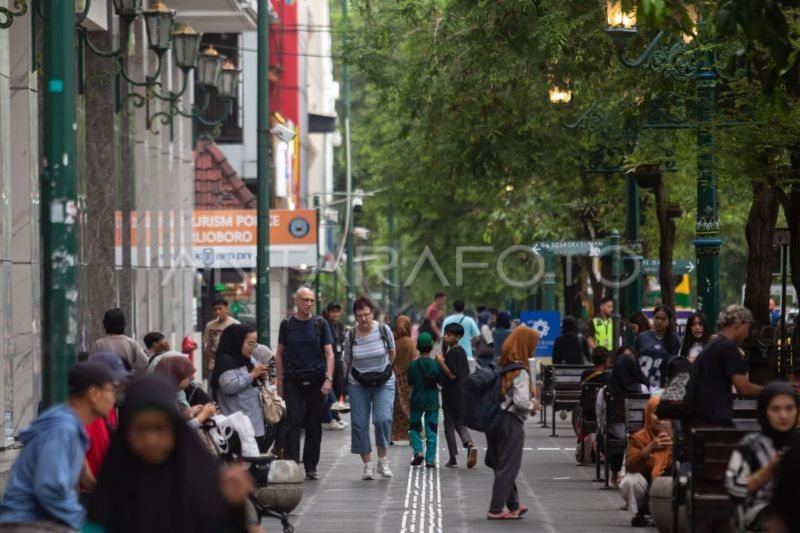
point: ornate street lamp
(229, 80)
(158, 20)
(127, 10)
(620, 23)
(185, 46)
(209, 67)
(560, 93)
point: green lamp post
(683, 62)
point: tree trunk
(791, 209)
(759, 232)
(666, 245)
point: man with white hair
(304, 376)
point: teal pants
(431, 427)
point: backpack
(351, 338)
(481, 399)
(677, 400)
(319, 323)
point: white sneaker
(383, 467)
(369, 472)
(341, 407)
(342, 423)
(333, 425)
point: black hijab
(780, 439)
(181, 495)
(229, 353)
(627, 376)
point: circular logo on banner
(208, 257)
(299, 227)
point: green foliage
(452, 121)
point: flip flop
(520, 511)
(505, 515)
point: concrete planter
(284, 490)
(661, 506)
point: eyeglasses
(251, 344)
(310, 300)
(364, 315)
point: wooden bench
(744, 421)
(709, 453)
(566, 380)
(625, 409)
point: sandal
(503, 515)
(521, 510)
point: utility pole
(263, 176)
(633, 292)
(351, 249)
(59, 200)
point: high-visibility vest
(603, 333)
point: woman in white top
(369, 352)
(504, 446)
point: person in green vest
(602, 331)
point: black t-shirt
(715, 366)
(302, 350)
(456, 361)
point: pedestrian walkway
(560, 495)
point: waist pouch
(372, 379)
(306, 376)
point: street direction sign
(679, 266)
(593, 248)
(590, 248)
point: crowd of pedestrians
(115, 456)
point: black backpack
(480, 401)
(319, 323)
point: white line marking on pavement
(423, 501)
(549, 449)
(560, 478)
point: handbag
(372, 379)
(273, 406)
(677, 400)
(306, 376)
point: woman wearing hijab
(626, 378)
(181, 371)
(648, 457)
(750, 478)
(406, 352)
(153, 458)
(234, 381)
(504, 446)
(570, 348)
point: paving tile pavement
(560, 495)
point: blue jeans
(327, 415)
(378, 401)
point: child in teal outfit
(424, 375)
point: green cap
(424, 342)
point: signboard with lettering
(679, 266)
(548, 324)
(227, 239)
(593, 248)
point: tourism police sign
(548, 324)
(227, 238)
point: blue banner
(548, 324)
